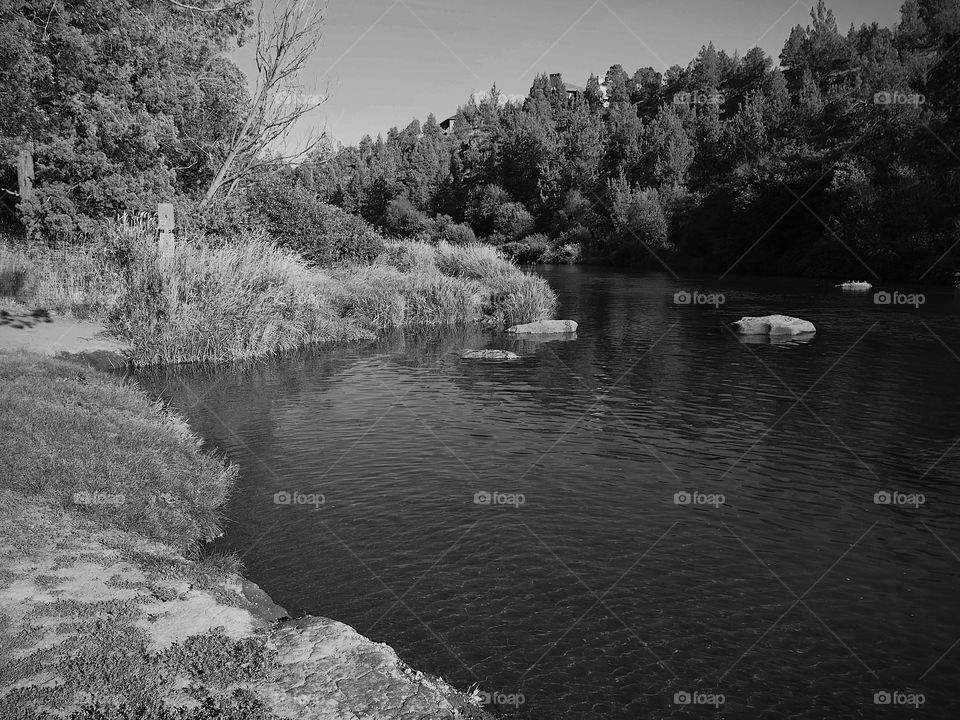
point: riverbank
(203, 301)
(109, 610)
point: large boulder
(488, 355)
(774, 325)
(545, 326)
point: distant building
(447, 125)
(572, 91)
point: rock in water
(545, 326)
(488, 355)
(774, 325)
(854, 285)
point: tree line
(841, 160)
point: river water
(653, 519)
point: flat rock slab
(86, 341)
(327, 670)
(545, 326)
(774, 325)
(488, 355)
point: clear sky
(388, 61)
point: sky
(385, 62)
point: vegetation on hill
(841, 161)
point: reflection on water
(600, 595)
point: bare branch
(285, 43)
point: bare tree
(285, 43)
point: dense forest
(840, 159)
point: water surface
(600, 596)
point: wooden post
(165, 223)
(25, 172)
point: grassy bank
(105, 498)
(107, 611)
(218, 301)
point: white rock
(488, 355)
(774, 325)
(545, 326)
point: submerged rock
(545, 326)
(774, 325)
(488, 355)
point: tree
(105, 99)
(794, 53)
(285, 43)
(672, 149)
(616, 84)
(756, 63)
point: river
(654, 519)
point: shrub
(532, 249)
(639, 221)
(566, 254)
(322, 233)
(513, 220)
(403, 219)
(225, 219)
(454, 233)
(578, 235)
(485, 204)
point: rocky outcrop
(488, 355)
(545, 326)
(774, 325)
(327, 670)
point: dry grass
(249, 298)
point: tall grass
(74, 281)
(198, 301)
